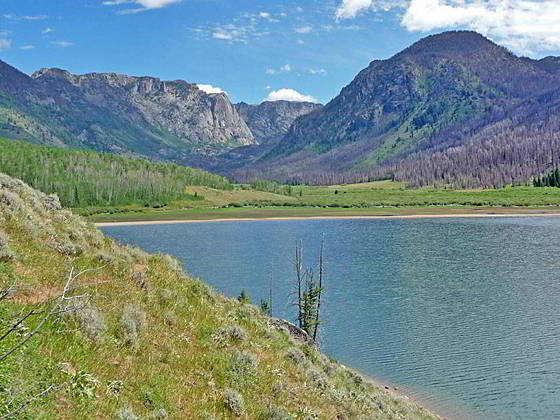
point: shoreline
(396, 391)
(333, 217)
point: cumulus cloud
(5, 43)
(523, 25)
(352, 8)
(210, 89)
(284, 69)
(144, 5)
(47, 30)
(318, 71)
(289, 95)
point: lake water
(463, 314)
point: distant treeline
(271, 186)
(550, 180)
(86, 178)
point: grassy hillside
(85, 178)
(134, 337)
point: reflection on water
(462, 313)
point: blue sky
(255, 49)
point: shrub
(297, 356)
(318, 378)
(234, 333)
(170, 318)
(6, 253)
(159, 414)
(243, 362)
(92, 322)
(173, 264)
(272, 412)
(234, 402)
(126, 413)
(133, 319)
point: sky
(255, 50)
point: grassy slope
(152, 340)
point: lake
(462, 314)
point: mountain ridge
(397, 107)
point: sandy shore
(365, 217)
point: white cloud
(300, 41)
(351, 8)
(62, 44)
(284, 69)
(210, 89)
(523, 25)
(27, 47)
(303, 29)
(28, 17)
(222, 35)
(144, 5)
(318, 71)
(37, 17)
(47, 30)
(5, 43)
(289, 95)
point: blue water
(463, 314)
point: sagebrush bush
(234, 401)
(6, 253)
(159, 414)
(272, 412)
(170, 318)
(243, 362)
(297, 356)
(92, 322)
(133, 319)
(234, 333)
(318, 378)
(173, 264)
(126, 413)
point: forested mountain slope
(83, 178)
(417, 101)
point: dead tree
(308, 292)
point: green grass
(368, 199)
(153, 340)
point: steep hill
(92, 329)
(118, 113)
(403, 105)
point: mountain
(270, 121)
(409, 103)
(118, 113)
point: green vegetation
(110, 332)
(85, 178)
(106, 187)
(551, 179)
